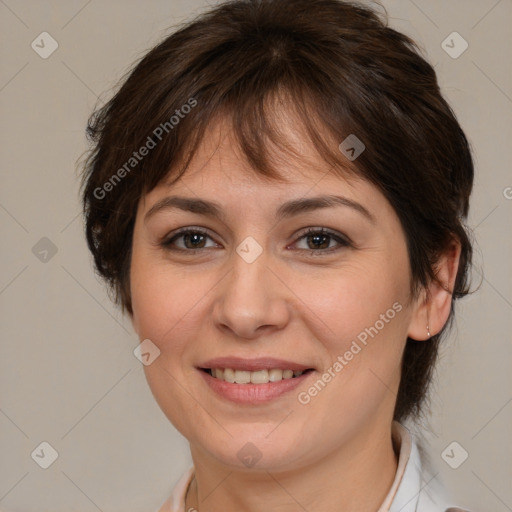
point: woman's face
(258, 294)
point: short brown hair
(347, 72)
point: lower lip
(253, 393)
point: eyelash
(343, 241)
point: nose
(251, 300)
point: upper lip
(252, 365)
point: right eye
(193, 239)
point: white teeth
(260, 377)
(242, 377)
(257, 377)
(275, 374)
(229, 375)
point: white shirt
(410, 491)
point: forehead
(219, 182)
(220, 172)
(219, 163)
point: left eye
(317, 239)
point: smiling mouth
(257, 377)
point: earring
(428, 332)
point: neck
(354, 478)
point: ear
(433, 305)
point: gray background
(68, 375)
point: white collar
(402, 442)
(413, 490)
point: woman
(276, 196)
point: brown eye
(193, 239)
(318, 240)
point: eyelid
(341, 239)
(167, 239)
(324, 231)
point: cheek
(164, 304)
(360, 316)
(165, 300)
(347, 302)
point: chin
(256, 452)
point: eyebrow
(288, 209)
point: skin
(334, 453)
